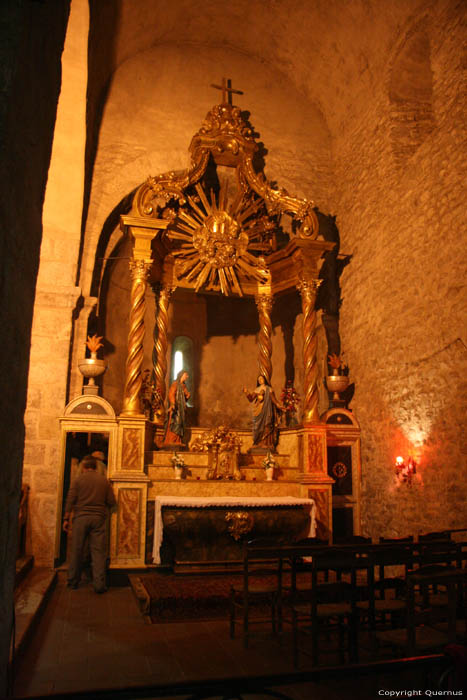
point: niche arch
(410, 93)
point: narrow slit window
(183, 359)
(178, 363)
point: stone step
(165, 457)
(31, 597)
(201, 459)
(188, 488)
(157, 473)
(24, 565)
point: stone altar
(197, 531)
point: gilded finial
(227, 90)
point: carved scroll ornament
(217, 238)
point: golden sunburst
(215, 239)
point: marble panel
(321, 499)
(131, 449)
(128, 523)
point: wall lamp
(405, 470)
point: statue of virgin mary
(266, 414)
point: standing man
(89, 497)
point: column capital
(308, 287)
(139, 269)
(264, 301)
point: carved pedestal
(316, 483)
(130, 484)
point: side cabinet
(344, 467)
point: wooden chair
(429, 536)
(388, 592)
(332, 606)
(352, 539)
(434, 551)
(393, 581)
(260, 586)
(309, 545)
(429, 628)
(297, 564)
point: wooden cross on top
(227, 90)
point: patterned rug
(171, 598)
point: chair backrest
(311, 541)
(444, 552)
(352, 539)
(262, 548)
(342, 561)
(442, 535)
(392, 555)
(261, 558)
(428, 579)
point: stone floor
(86, 642)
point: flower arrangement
(150, 394)
(337, 363)
(94, 343)
(269, 461)
(289, 397)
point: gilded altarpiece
(244, 237)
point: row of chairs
(344, 586)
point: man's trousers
(93, 528)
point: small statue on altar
(266, 414)
(150, 395)
(174, 430)
(146, 393)
(290, 399)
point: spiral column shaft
(264, 306)
(159, 353)
(308, 290)
(131, 399)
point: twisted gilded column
(264, 306)
(308, 290)
(159, 352)
(131, 399)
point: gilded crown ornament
(220, 229)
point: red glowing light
(405, 470)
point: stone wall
(401, 214)
(31, 40)
(57, 294)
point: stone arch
(410, 93)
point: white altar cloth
(201, 502)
